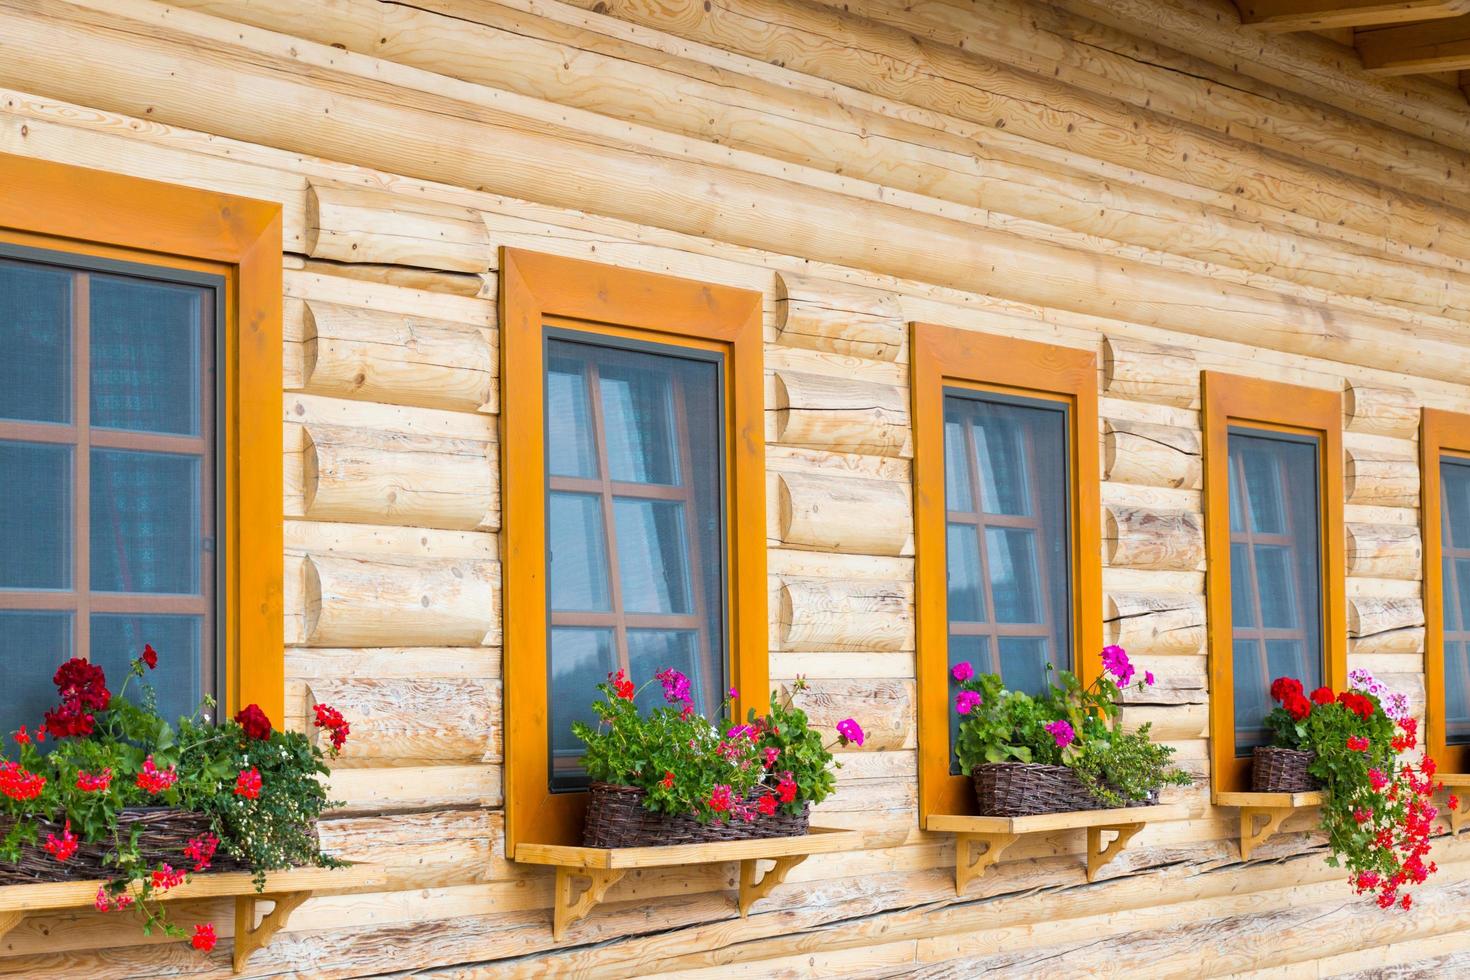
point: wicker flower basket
(616, 818)
(1275, 770)
(1023, 789)
(163, 835)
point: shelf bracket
(8, 921)
(569, 908)
(248, 936)
(753, 889)
(1252, 833)
(1099, 854)
(968, 865)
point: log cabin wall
(1142, 179)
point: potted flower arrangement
(120, 795)
(1061, 751)
(673, 777)
(1377, 815)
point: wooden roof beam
(1284, 16)
(1417, 49)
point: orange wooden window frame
(946, 356)
(90, 212)
(536, 290)
(1270, 406)
(1441, 434)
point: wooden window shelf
(286, 889)
(1458, 784)
(998, 833)
(1261, 814)
(602, 867)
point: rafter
(1417, 48)
(1317, 15)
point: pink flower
(1377, 779)
(1061, 731)
(1148, 678)
(849, 730)
(772, 754)
(201, 850)
(962, 671)
(1115, 661)
(967, 701)
(719, 799)
(676, 686)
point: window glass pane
(1025, 659)
(974, 650)
(146, 354)
(145, 522)
(580, 660)
(1252, 696)
(35, 336)
(1275, 572)
(1013, 573)
(1461, 584)
(652, 554)
(654, 462)
(1019, 547)
(32, 646)
(638, 413)
(1001, 455)
(966, 590)
(956, 458)
(1454, 477)
(35, 523)
(177, 682)
(578, 556)
(1457, 692)
(569, 440)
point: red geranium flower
(150, 656)
(1297, 706)
(63, 847)
(204, 937)
(1357, 743)
(668, 780)
(331, 719)
(622, 687)
(90, 782)
(167, 877)
(766, 804)
(155, 780)
(255, 722)
(248, 783)
(19, 783)
(787, 788)
(1283, 686)
(1322, 695)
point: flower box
(616, 817)
(1022, 789)
(163, 834)
(1279, 770)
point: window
(122, 436)
(1275, 561)
(634, 499)
(1006, 526)
(1444, 445)
(635, 555)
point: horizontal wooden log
(406, 721)
(1380, 410)
(1169, 722)
(1385, 625)
(1317, 15)
(398, 787)
(349, 224)
(400, 602)
(1149, 372)
(1151, 455)
(1384, 551)
(1379, 480)
(885, 709)
(1158, 623)
(827, 513)
(830, 316)
(379, 356)
(822, 614)
(421, 850)
(378, 477)
(1165, 540)
(823, 412)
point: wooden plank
(1417, 48)
(1270, 799)
(1046, 822)
(818, 840)
(1318, 15)
(71, 894)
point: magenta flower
(850, 731)
(967, 701)
(1115, 661)
(1062, 732)
(962, 671)
(676, 686)
(1148, 678)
